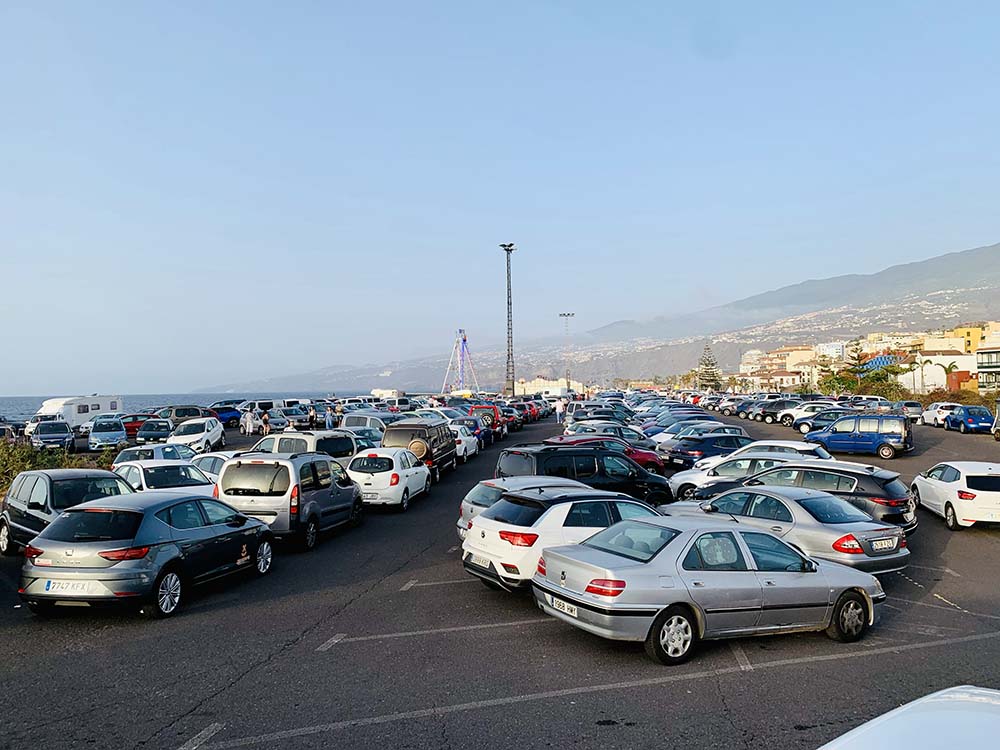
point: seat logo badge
(482, 534)
(562, 578)
(69, 553)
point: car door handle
(777, 529)
(697, 583)
(770, 583)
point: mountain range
(939, 292)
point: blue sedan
(969, 419)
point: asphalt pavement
(378, 638)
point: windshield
(93, 526)
(371, 464)
(105, 426)
(268, 480)
(52, 428)
(159, 477)
(155, 425)
(484, 495)
(293, 411)
(190, 428)
(830, 509)
(636, 541)
(452, 413)
(515, 511)
(69, 492)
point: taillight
(902, 542)
(130, 553)
(848, 544)
(215, 491)
(541, 566)
(519, 538)
(971, 420)
(458, 441)
(394, 480)
(963, 495)
(605, 587)
(32, 552)
(890, 502)
(293, 503)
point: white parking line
(949, 571)
(333, 641)
(409, 584)
(339, 638)
(915, 583)
(951, 603)
(467, 579)
(202, 737)
(741, 657)
(946, 609)
(274, 737)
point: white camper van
(74, 410)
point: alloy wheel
(168, 595)
(264, 556)
(852, 618)
(4, 539)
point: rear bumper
(617, 624)
(97, 589)
(875, 565)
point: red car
(529, 408)
(133, 422)
(648, 460)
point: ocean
(22, 407)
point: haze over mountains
(938, 292)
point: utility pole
(566, 318)
(509, 248)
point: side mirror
(754, 483)
(708, 508)
(808, 566)
(238, 520)
(35, 505)
(712, 473)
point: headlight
(878, 587)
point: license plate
(562, 606)
(67, 587)
(677, 460)
(881, 544)
(482, 562)
(369, 496)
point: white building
(834, 350)
(750, 361)
(929, 373)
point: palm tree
(948, 370)
(923, 387)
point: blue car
(687, 450)
(969, 419)
(885, 435)
(228, 415)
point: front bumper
(616, 623)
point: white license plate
(369, 496)
(676, 460)
(880, 544)
(562, 606)
(67, 587)
(482, 562)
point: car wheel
(742, 415)
(232, 423)
(850, 618)
(310, 535)
(916, 497)
(404, 503)
(886, 452)
(243, 430)
(43, 610)
(768, 419)
(222, 441)
(264, 557)
(464, 457)
(8, 547)
(167, 597)
(686, 492)
(673, 636)
(923, 420)
(950, 519)
(357, 516)
(804, 428)
(727, 412)
(962, 428)
(436, 475)
(427, 486)
(936, 423)
(787, 420)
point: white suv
(341, 445)
(201, 435)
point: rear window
(483, 495)
(267, 480)
(292, 445)
(514, 464)
(984, 483)
(162, 477)
(400, 437)
(514, 511)
(979, 411)
(371, 464)
(93, 526)
(636, 541)
(831, 509)
(336, 447)
(895, 489)
(155, 425)
(69, 492)
(135, 454)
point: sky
(202, 193)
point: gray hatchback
(144, 548)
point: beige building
(546, 386)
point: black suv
(430, 440)
(36, 498)
(771, 409)
(599, 468)
(877, 492)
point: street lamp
(566, 318)
(509, 248)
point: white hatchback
(962, 492)
(798, 449)
(935, 413)
(389, 476)
(201, 435)
(466, 444)
(165, 475)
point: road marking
(951, 603)
(741, 657)
(915, 583)
(202, 737)
(467, 579)
(453, 549)
(273, 737)
(409, 584)
(333, 641)
(946, 609)
(949, 571)
(436, 631)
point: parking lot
(379, 638)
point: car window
(633, 510)
(772, 555)
(340, 446)
(81, 526)
(735, 468)
(324, 476)
(936, 472)
(217, 512)
(590, 515)
(631, 539)
(761, 464)
(769, 509)
(844, 425)
(715, 551)
(892, 427)
(950, 474)
(585, 466)
(559, 466)
(306, 481)
(868, 424)
(830, 509)
(339, 475)
(265, 446)
(184, 516)
(292, 445)
(39, 493)
(24, 491)
(827, 481)
(615, 467)
(733, 502)
(169, 452)
(778, 477)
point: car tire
(915, 493)
(310, 535)
(673, 636)
(850, 618)
(950, 519)
(404, 502)
(686, 492)
(886, 452)
(263, 558)
(427, 486)
(8, 547)
(962, 428)
(768, 419)
(42, 610)
(804, 429)
(357, 516)
(787, 420)
(464, 457)
(222, 441)
(232, 423)
(727, 412)
(936, 423)
(167, 598)
(742, 415)
(658, 498)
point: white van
(74, 410)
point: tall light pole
(566, 318)
(509, 248)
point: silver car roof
(149, 500)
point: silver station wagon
(673, 581)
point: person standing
(560, 408)
(329, 417)
(312, 416)
(339, 415)
(265, 423)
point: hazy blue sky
(194, 193)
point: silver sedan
(673, 581)
(818, 523)
(684, 483)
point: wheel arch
(694, 609)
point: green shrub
(18, 457)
